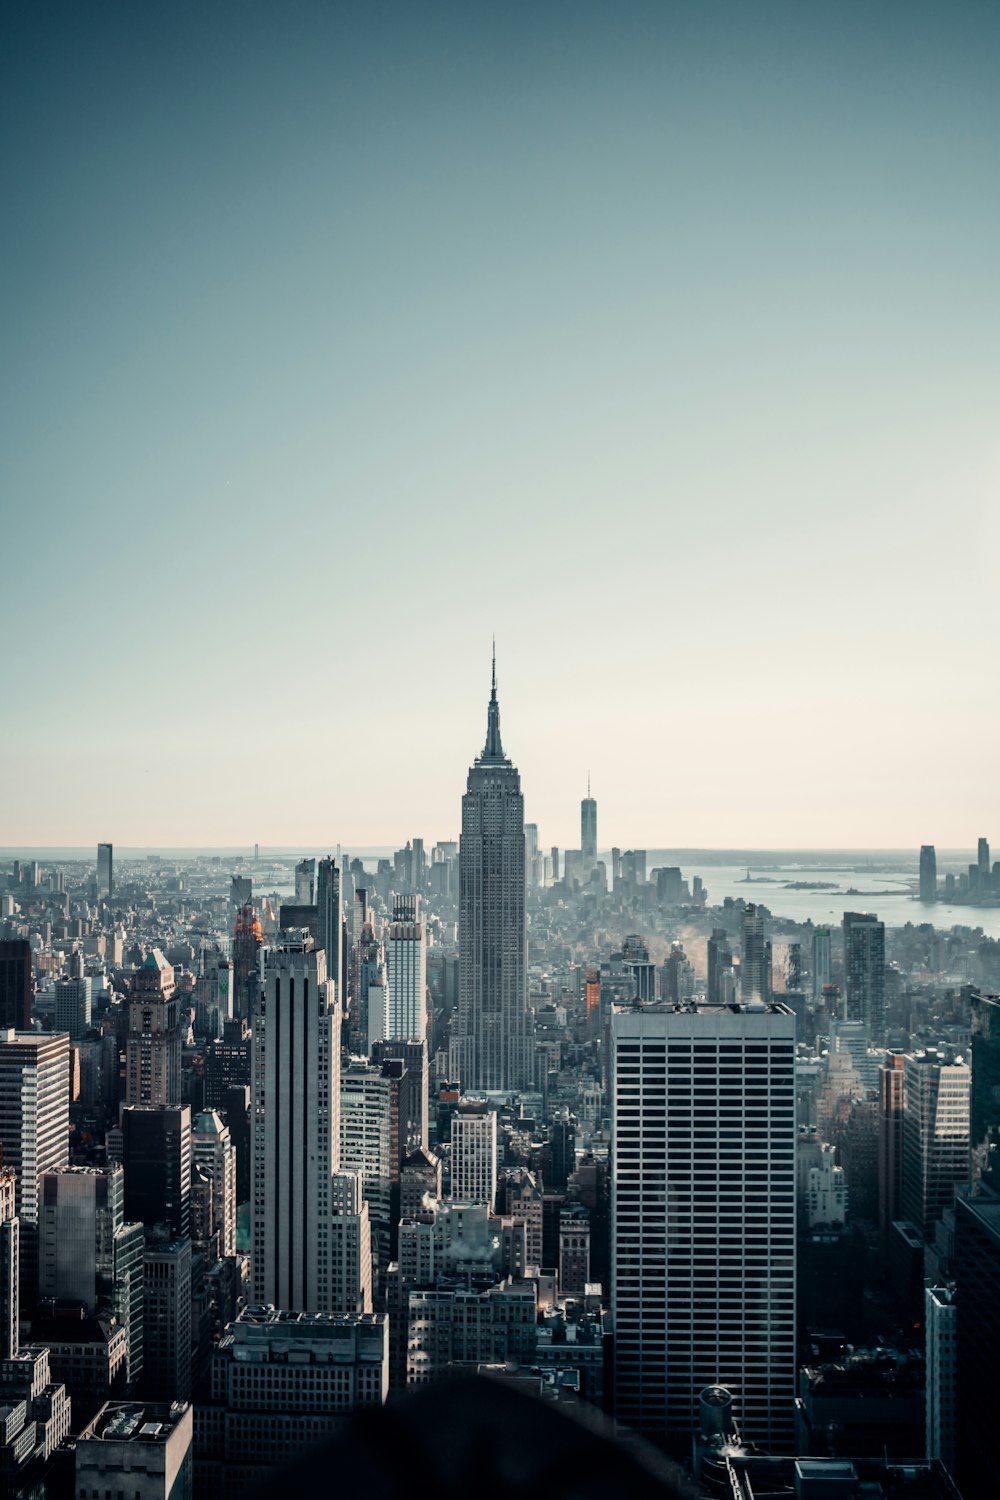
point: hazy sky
(660, 339)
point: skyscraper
(406, 972)
(588, 831)
(821, 964)
(105, 870)
(296, 1110)
(247, 939)
(331, 922)
(490, 1044)
(720, 959)
(703, 1215)
(305, 878)
(755, 960)
(864, 972)
(935, 1135)
(15, 984)
(34, 1110)
(156, 1154)
(154, 1044)
(72, 1007)
(928, 873)
(983, 859)
(890, 1147)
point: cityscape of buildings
(281, 1142)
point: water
(826, 907)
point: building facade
(490, 1043)
(703, 1216)
(296, 1115)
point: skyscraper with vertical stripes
(296, 1130)
(490, 1044)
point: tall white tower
(490, 1044)
(703, 1215)
(296, 1143)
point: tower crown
(493, 749)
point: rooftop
(136, 1422)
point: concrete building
(212, 1149)
(72, 1006)
(350, 1244)
(941, 1411)
(142, 1452)
(366, 1134)
(296, 1129)
(456, 1326)
(703, 1215)
(153, 1048)
(167, 1304)
(474, 1153)
(279, 1382)
(34, 1111)
(406, 972)
(935, 1135)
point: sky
(661, 341)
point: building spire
(493, 750)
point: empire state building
(490, 1043)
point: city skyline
(690, 318)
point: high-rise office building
(490, 1044)
(406, 972)
(34, 1110)
(822, 969)
(928, 873)
(720, 960)
(983, 860)
(154, 1147)
(588, 831)
(247, 940)
(88, 1253)
(755, 959)
(72, 1006)
(367, 1129)
(296, 1114)
(935, 1135)
(864, 972)
(153, 1049)
(350, 1244)
(212, 1149)
(474, 1153)
(105, 870)
(305, 881)
(329, 903)
(167, 1319)
(410, 1062)
(15, 984)
(940, 1352)
(890, 1147)
(703, 1215)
